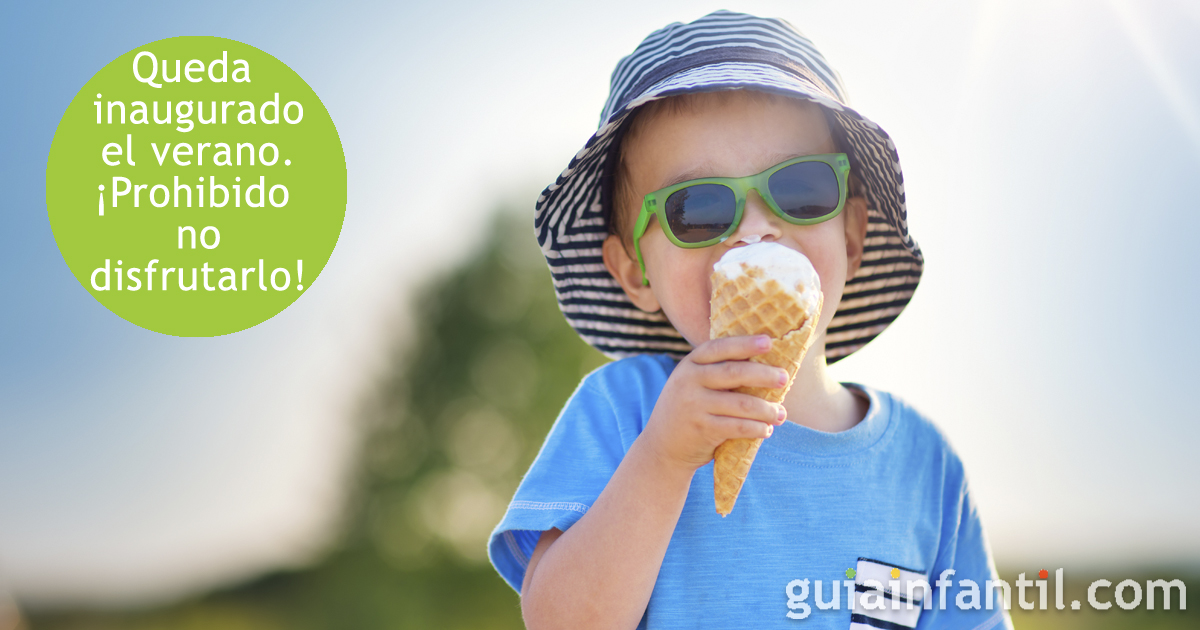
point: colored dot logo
(1043, 574)
(850, 573)
(896, 573)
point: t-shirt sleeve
(575, 463)
(959, 605)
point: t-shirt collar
(796, 439)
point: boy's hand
(696, 412)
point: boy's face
(729, 137)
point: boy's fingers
(731, 374)
(748, 407)
(730, 349)
(730, 428)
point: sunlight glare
(1163, 74)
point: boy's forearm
(601, 571)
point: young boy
(855, 502)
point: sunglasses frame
(653, 202)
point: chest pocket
(887, 596)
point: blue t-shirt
(866, 512)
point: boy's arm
(544, 541)
(601, 571)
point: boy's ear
(855, 212)
(628, 274)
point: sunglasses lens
(805, 190)
(700, 213)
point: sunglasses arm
(638, 231)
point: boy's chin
(695, 338)
(696, 334)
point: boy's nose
(757, 221)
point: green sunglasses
(703, 212)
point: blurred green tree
(447, 431)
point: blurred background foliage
(447, 430)
(474, 383)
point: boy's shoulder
(916, 434)
(637, 374)
(619, 395)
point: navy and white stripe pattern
(722, 50)
(882, 596)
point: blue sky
(1050, 152)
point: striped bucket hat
(721, 51)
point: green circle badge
(196, 186)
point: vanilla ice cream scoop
(772, 261)
(761, 289)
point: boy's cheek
(686, 304)
(828, 256)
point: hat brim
(571, 225)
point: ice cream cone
(771, 292)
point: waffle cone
(752, 304)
